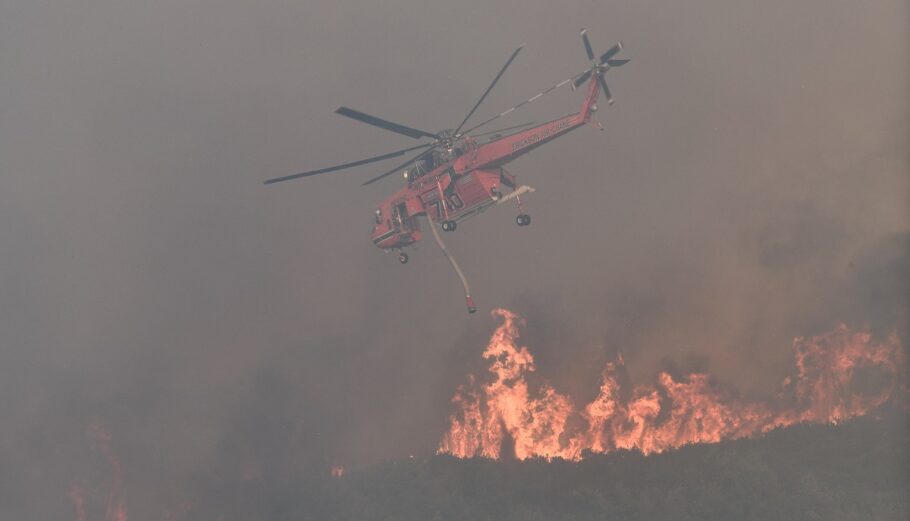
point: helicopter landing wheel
(403, 258)
(449, 226)
(523, 220)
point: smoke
(749, 187)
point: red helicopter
(455, 177)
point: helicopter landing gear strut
(403, 258)
(522, 219)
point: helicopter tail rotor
(599, 66)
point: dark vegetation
(856, 471)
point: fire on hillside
(669, 414)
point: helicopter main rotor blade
(501, 71)
(346, 165)
(399, 167)
(523, 103)
(588, 49)
(382, 123)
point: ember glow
(106, 502)
(666, 415)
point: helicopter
(455, 177)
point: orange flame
(667, 415)
(112, 505)
(77, 496)
(107, 501)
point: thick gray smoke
(750, 186)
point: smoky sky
(750, 185)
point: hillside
(858, 470)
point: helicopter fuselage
(453, 177)
(468, 183)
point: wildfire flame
(110, 505)
(107, 501)
(663, 416)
